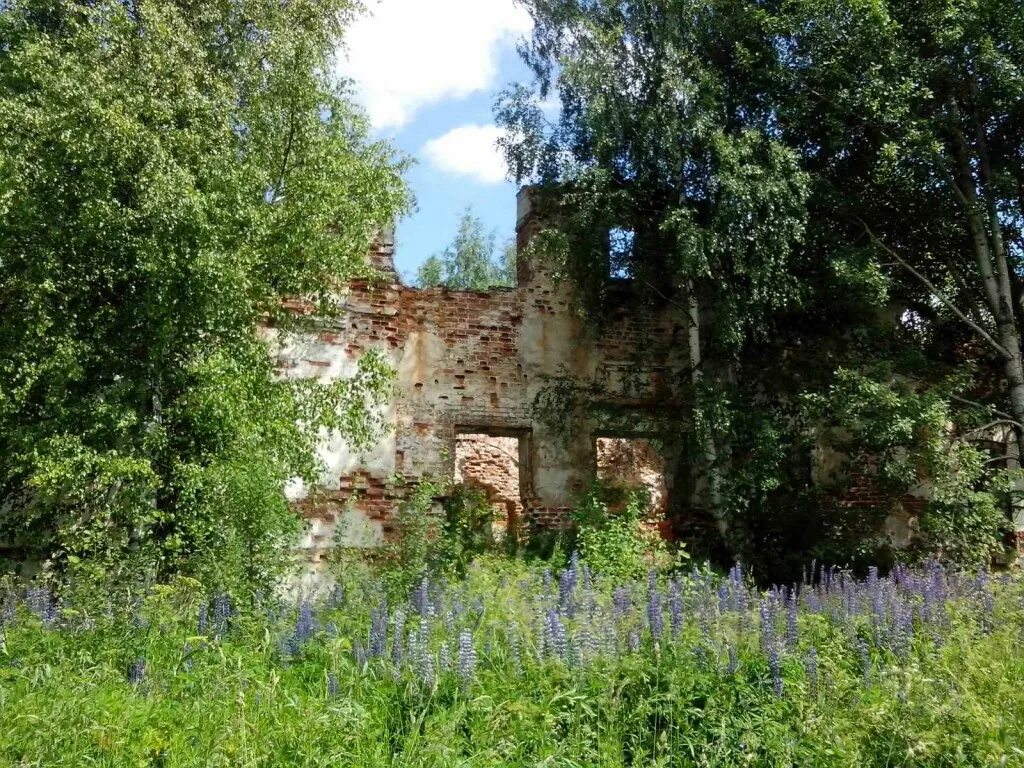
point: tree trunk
(705, 471)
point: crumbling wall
(474, 362)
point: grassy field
(522, 666)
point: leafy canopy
(169, 172)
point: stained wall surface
(466, 362)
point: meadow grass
(522, 666)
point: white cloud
(406, 54)
(469, 150)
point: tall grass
(525, 667)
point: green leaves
(470, 263)
(170, 173)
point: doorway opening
(635, 463)
(496, 463)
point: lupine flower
(558, 638)
(634, 641)
(675, 607)
(397, 634)
(305, 624)
(776, 669)
(222, 611)
(566, 590)
(792, 633)
(865, 662)
(137, 671)
(421, 597)
(812, 670)
(466, 659)
(734, 661)
(655, 620)
(621, 602)
(203, 619)
(445, 656)
(767, 625)
(378, 631)
(424, 661)
(332, 686)
(40, 601)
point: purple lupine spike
(546, 580)
(566, 592)
(397, 636)
(412, 647)
(792, 630)
(865, 662)
(466, 659)
(445, 656)
(903, 626)
(333, 689)
(767, 624)
(675, 606)
(378, 631)
(813, 601)
(655, 619)
(424, 659)
(985, 600)
(733, 666)
(305, 624)
(811, 667)
(723, 598)
(776, 669)
(137, 671)
(558, 638)
(621, 602)
(222, 610)
(734, 661)
(40, 602)
(633, 641)
(421, 596)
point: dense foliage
(470, 263)
(827, 191)
(169, 173)
(517, 667)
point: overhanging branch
(936, 292)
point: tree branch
(992, 409)
(935, 291)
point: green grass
(241, 698)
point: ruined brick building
(472, 370)
(487, 393)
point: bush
(614, 534)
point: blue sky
(427, 72)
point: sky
(427, 72)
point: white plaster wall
(303, 356)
